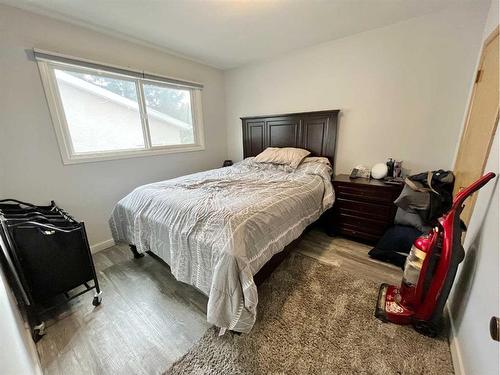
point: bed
(217, 229)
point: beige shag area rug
(317, 319)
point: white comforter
(217, 228)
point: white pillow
(287, 155)
(316, 159)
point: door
(481, 123)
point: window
(103, 113)
(169, 104)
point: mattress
(216, 229)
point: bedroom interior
(186, 188)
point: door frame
(486, 42)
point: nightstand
(363, 208)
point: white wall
(18, 355)
(491, 19)
(476, 296)
(402, 89)
(32, 166)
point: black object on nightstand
(363, 209)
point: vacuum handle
(471, 189)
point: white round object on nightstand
(379, 171)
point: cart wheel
(426, 328)
(38, 332)
(36, 336)
(97, 300)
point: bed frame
(313, 131)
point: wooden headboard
(313, 131)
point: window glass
(102, 113)
(169, 115)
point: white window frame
(55, 104)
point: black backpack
(439, 184)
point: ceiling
(230, 33)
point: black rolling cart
(46, 254)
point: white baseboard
(101, 245)
(456, 354)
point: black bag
(395, 244)
(439, 185)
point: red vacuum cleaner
(429, 272)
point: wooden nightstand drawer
(371, 194)
(370, 210)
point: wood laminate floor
(148, 320)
